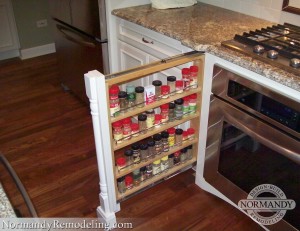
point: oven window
(248, 163)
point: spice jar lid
(121, 179)
(117, 124)
(156, 162)
(185, 71)
(121, 161)
(135, 127)
(179, 101)
(128, 179)
(185, 133)
(184, 150)
(142, 117)
(157, 83)
(130, 88)
(128, 152)
(176, 154)
(157, 116)
(171, 105)
(194, 68)
(171, 131)
(127, 120)
(122, 94)
(171, 156)
(165, 134)
(151, 143)
(165, 88)
(191, 131)
(186, 98)
(164, 158)
(171, 78)
(143, 146)
(150, 111)
(135, 147)
(179, 83)
(157, 137)
(178, 131)
(190, 147)
(193, 96)
(164, 106)
(143, 169)
(114, 89)
(139, 89)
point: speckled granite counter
(6, 209)
(203, 27)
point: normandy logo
(274, 206)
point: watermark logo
(267, 210)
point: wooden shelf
(155, 104)
(154, 179)
(154, 131)
(133, 167)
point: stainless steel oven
(253, 139)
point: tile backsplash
(266, 9)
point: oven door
(243, 152)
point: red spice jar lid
(187, 98)
(127, 120)
(193, 96)
(164, 106)
(194, 68)
(171, 130)
(121, 161)
(114, 89)
(135, 127)
(117, 124)
(185, 133)
(191, 131)
(177, 153)
(185, 71)
(165, 88)
(179, 83)
(157, 117)
(128, 180)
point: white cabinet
(9, 43)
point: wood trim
(286, 7)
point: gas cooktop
(277, 45)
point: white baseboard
(38, 51)
(9, 54)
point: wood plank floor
(47, 136)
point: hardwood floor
(47, 136)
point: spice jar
(121, 184)
(183, 155)
(186, 78)
(186, 106)
(129, 157)
(158, 144)
(142, 123)
(193, 103)
(165, 91)
(164, 164)
(121, 163)
(149, 171)
(164, 111)
(193, 76)
(129, 182)
(123, 101)
(150, 119)
(165, 142)
(135, 129)
(178, 136)
(191, 133)
(139, 92)
(177, 158)
(179, 86)
(171, 112)
(151, 148)
(136, 177)
(143, 171)
(171, 160)
(130, 89)
(136, 156)
(118, 131)
(171, 83)
(190, 152)
(185, 135)
(157, 120)
(127, 128)
(157, 84)
(178, 109)
(114, 102)
(156, 167)
(171, 138)
(144, 152)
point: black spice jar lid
(171, 155)
(139, 89)
(135, 147)
(128, 153)
(151, 143)
(157, 83)
(122, 94)
(171, 78)
(171, 105)
(178, 131)
(142, 117)
(143, 169)
(190, 147)
(121, 179)
(184, 150)
(165, 134)
(179, 101)
(157, 137)
(143, 146)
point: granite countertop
(6, 210)
(203, 27)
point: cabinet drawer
(149, 41)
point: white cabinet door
(8, 32)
